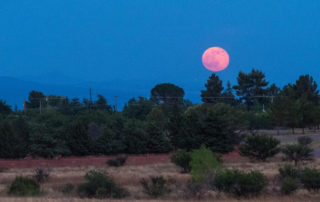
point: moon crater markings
(215, 59)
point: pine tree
(213, 90)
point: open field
(260, 199)
(72, 170)
(130, 175)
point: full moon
(215, 59)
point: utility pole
(24, 105)
(40, 106)
(115, 103)
(90, 99)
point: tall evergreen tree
(251, 87)
(305, 87)
(228, 96)
(213, 90)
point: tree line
(164, 122)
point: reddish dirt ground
(99, 160)
(81, 161)
(233, 157)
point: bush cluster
(292, 178)
(240, 183)
(23, 186)
(203, 164)
(289, 185)
(100, 185)
(310, 178)
(297, 153)
(158, 186)
(260, 147)
(289, 171)
(181, 158)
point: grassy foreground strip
(293, 198)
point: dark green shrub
(240, 183)
(157, 188)
(304, 140)
(310, 178)
(289, 185)
(23, 186)
(118, 161)
(288, 171)
(181, 158)
(41, 175)
(260, 147)
(297, 153)
(225, 180)
(100, 185)
(67, 189)
(203, 164)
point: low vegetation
(203, 164)
(297, 153)
(67, 189)
(157, 187)
(289, 171)
(260, 147)
(289, 185)
(41, 175)
(240, 183)
(292, 178)
(310, 178)
(100, 185)
(23, 186)
(182, 158)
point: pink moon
(215, 59)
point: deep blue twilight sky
(140, 43)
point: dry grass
(293, 198)
(315, 144)
(129, 177)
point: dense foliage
(23, 186)
(53, 125)
(289, 185)
(157, 187)
(181, 158)
(297, 153)
(240, 183)
(100, 185)
(310, 178)
(203, 164)
(260, 147)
